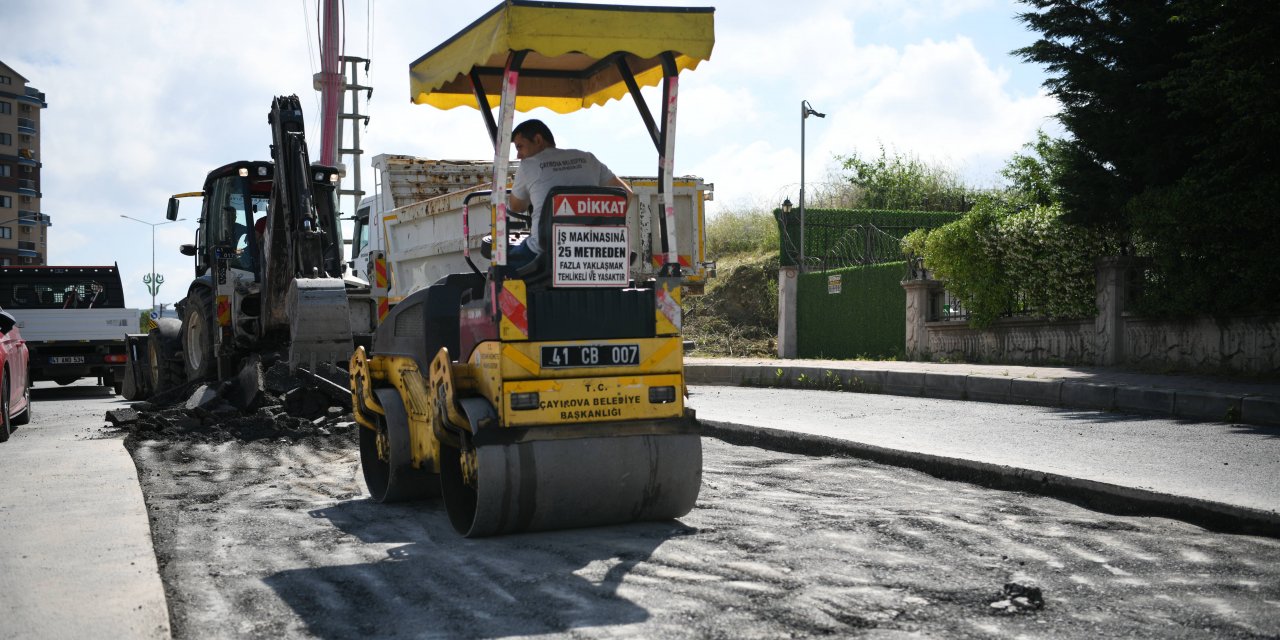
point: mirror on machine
(187, 249)
(171, 213)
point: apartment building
(23, 227)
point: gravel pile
(265, 401)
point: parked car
(15, 383)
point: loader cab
(237, 202)
(236, 196)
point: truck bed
(49, 325)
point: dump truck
(551, 397)
(73, 319)
(268, 256)
(408, 234)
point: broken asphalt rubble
(265, 400)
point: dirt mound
(738, 316)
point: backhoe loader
(268, 265)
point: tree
(1108, 58)
(1034, 176)
(1170, 105)
(904, 183)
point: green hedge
(868, 318)
(824, 228)
(1009, 257)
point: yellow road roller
(551, 395)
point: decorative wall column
(788, 289)
(918, 294)
(1113, 284)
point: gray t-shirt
(554, 167)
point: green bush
(750, 231)
(1009, 255)
(904, 182)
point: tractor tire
(25, 416)
(165, 364)
(198, 325)
(391, 476)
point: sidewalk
(1197, 468)
(1181, 396)
(76, 559)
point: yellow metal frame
(421, 395)
(563, 38)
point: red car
(15, 384)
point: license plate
(591, 355)
(66, 360)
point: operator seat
(539, 271)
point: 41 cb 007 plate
(590, 355)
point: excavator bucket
(319, 322)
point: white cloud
(145, 98)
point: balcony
(33, 218)
(27, 249)
(28, 157)
(28, 188)
(26, 125)
(36, 97)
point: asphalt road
(276, 538)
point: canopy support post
(482, 103)
(666, 166)
(498, 190)
(630, 78)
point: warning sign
(596, 204)
(590, 256)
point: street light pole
(805, 111)
(153, 280)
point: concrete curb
(1187, 404)
(1100, 496)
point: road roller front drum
(567, 483)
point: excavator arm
(302, 289)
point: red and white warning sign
(595, 204)
(590, 256)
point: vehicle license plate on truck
(591, 355)
(66, 360)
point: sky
(145, 97)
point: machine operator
(543, 166)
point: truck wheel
(162, 355)
(25, 416)
(110, 381)
(197, 337)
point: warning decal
(590, 256)
(596, 204)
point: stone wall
(1248, 343)
(1114, 337)
(1014, 341)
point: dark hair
(530, 128)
